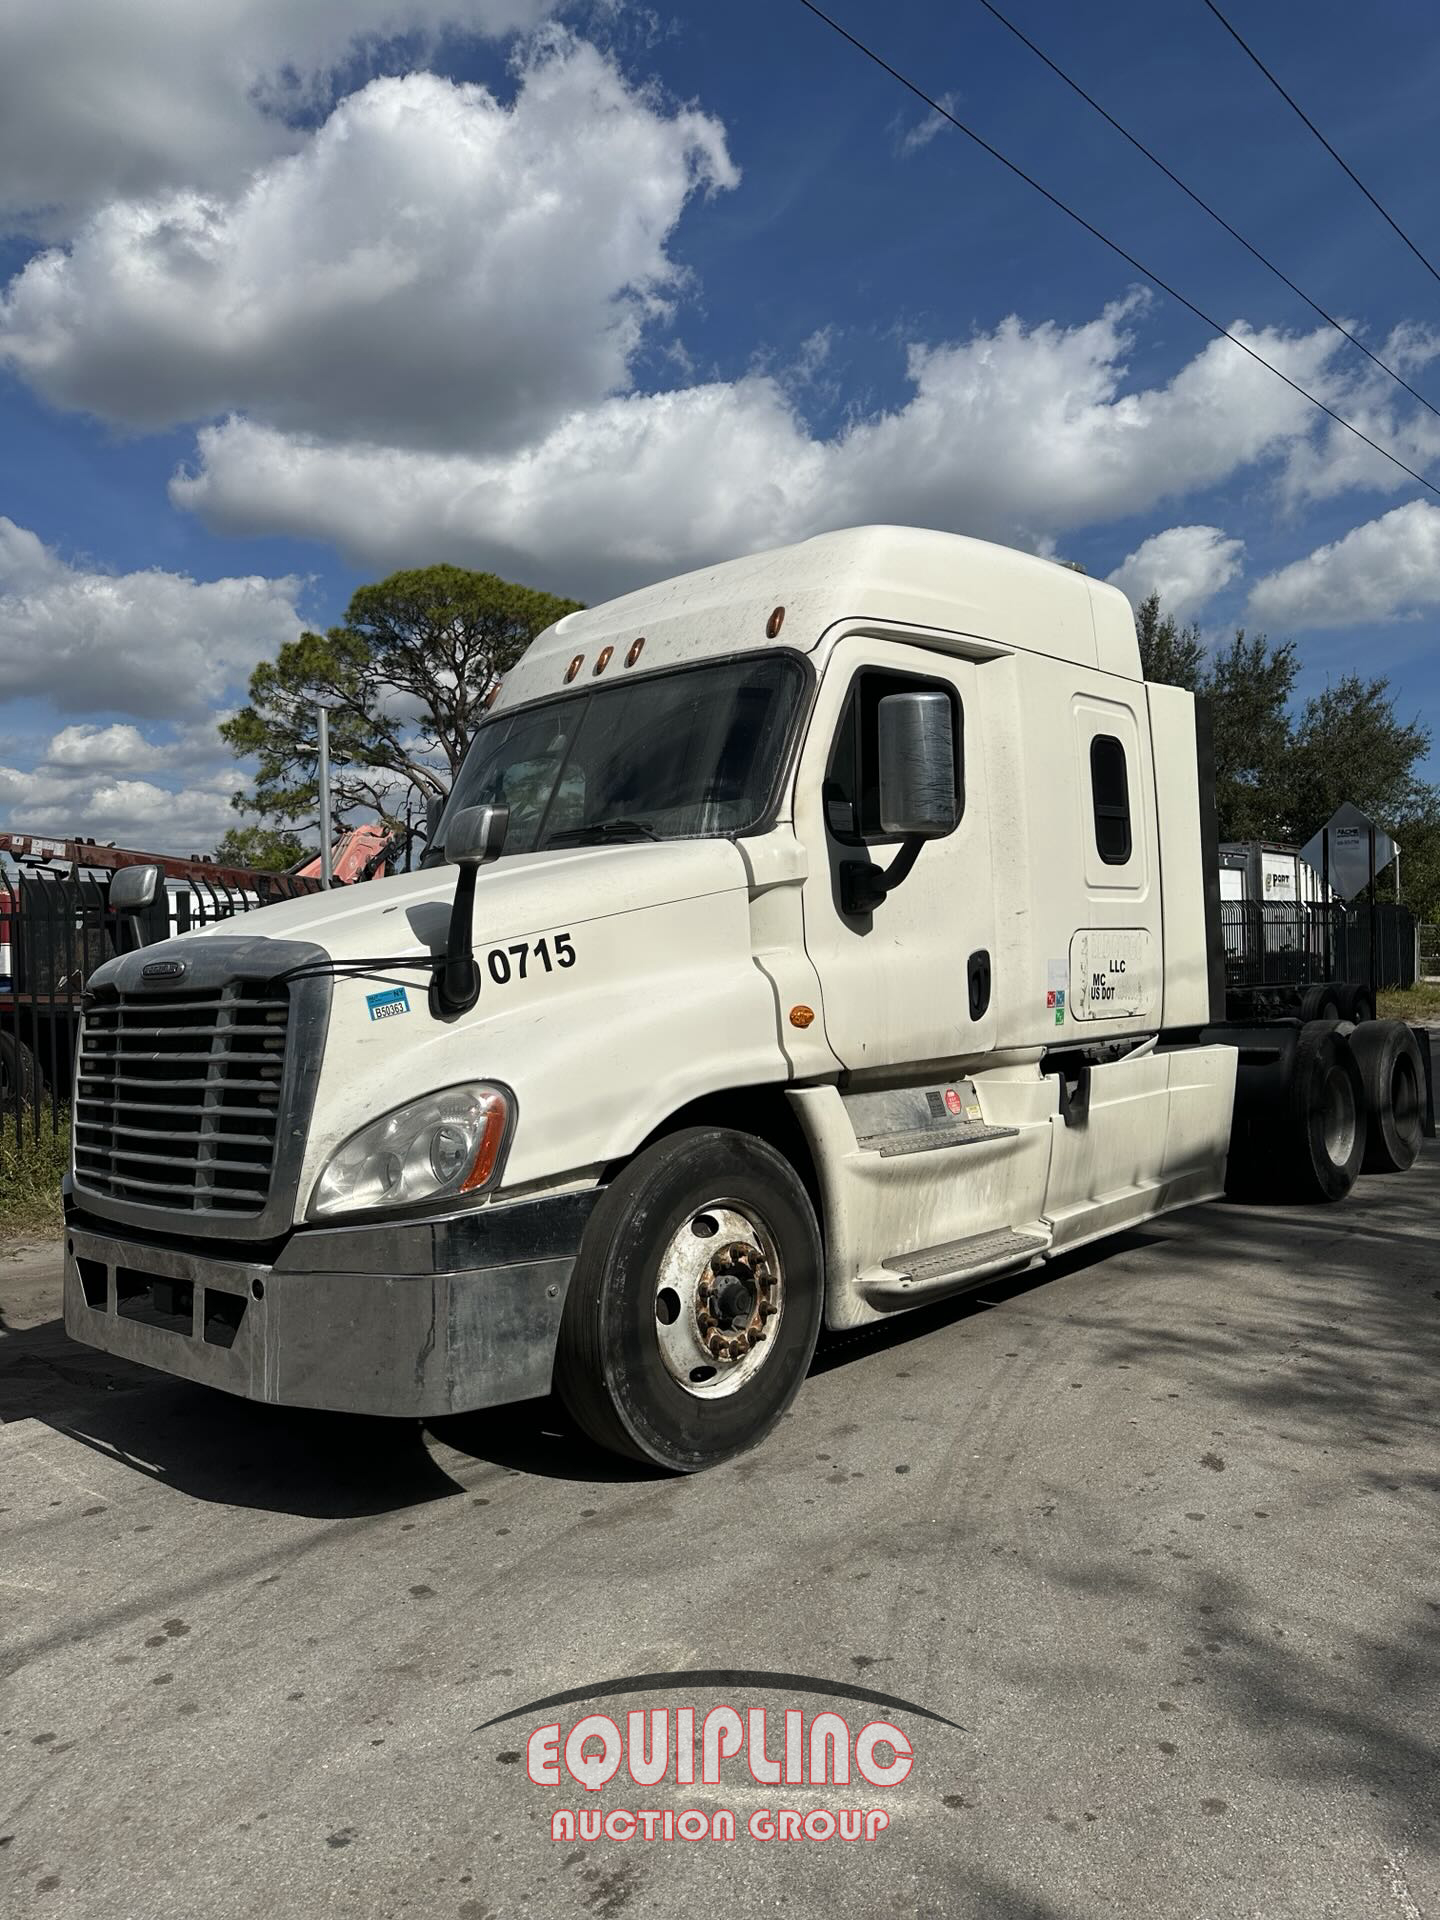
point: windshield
(669, 756)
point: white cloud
(114, 808)
(433, 269)
(1383, 570)
(1334, 461)
(1186, 566)
(1018, 435)
(100, 100)
(151, 644)
(120, 747)
(912, 138)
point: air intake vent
(177, 1097)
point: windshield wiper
(604, 830)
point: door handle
(977, 970)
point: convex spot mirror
(476, 836)
(917, 765)
(133, 889)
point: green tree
(405, 678)
(1280, 775)
(265, 849)
(1168, 652)
(1350, 745)
(1248, 685)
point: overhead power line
(1290, 101)
(1205, 206)
(1145, 272)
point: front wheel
(695, 1304)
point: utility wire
(1205, 206)
(1291, 102)
(945, 114)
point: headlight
(449, 1142)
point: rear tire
(1325, 1120)
(1392, 1076)
(1357, 1004)
(707, 1236)
(1320, 1002)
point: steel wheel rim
(719, 1299)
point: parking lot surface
(1154, 1536)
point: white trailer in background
(1266, 871)
(818, 934)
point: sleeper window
(1110, 790)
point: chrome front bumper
(415, 1318)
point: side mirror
(474, 838)
(917, 765)
(133, 889)
(918, 795)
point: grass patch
(1420, 1002)
(32, 1165)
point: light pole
(323, 737)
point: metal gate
(1294, 944)
(56, 928)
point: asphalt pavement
(1152, 1537)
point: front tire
(695, 1304)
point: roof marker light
(634, 654)
(604, 660)
(574, 667)
(774, 623)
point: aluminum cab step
(929, 1272)
(904, 1120)
(931, 1139)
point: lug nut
(716, 1345)
(756, 1335)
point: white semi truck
(816, 935)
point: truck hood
(409, 914)
(619, 985)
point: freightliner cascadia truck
(808, 938)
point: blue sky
(595, 295)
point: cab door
(910, 981)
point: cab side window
(1110, 790)
(852, 783)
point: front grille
(177, 1096)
